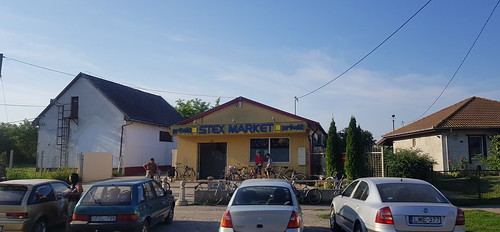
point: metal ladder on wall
(63, 122)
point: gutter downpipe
(120, 156)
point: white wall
(142, 142)
(98, 128)
(431, 145)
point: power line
(41, 67)
(364, 57)
(69, 74)
(18, 105)
(463, 61)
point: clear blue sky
(268, 51)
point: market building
(231, 135)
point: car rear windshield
(406, 192)
(108, 195)
(12, 194)
(263, 195)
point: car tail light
(226, 220)
(294, 221)
(80, 217)
(127, 217)
(384, 216)
(16, 215)
(460, 218)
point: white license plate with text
(103, 218)
(425, 220)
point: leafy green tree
(22, 139)
(409, 163)
(366, 137)
(356, 162)
(493, 160)
(333, 154)
(193, 107)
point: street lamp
(393, 116)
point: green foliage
(493, 160)
(22, 139)
(193, 107)
(409, 163)
(479, 220)
(32, 173)
(356, 164)
(333, 152)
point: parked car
(394, 204)
(263, 205)
(31, 205)
(124, 205)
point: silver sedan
(263, 205)
(394, 204)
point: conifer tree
(333, 152)
(355, 163)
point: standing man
(259, 160)
(151, 168)
(269, 165)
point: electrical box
(301, 156)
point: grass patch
(481, 221)
(324, 216)
(32, 173)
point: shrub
(409, 163)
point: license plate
(425, 220)
(103, 218)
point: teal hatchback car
(123, 205)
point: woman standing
(73, 195)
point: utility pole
(393, 116)
(296, 99)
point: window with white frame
(279, 148)
(476, 145)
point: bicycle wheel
(288, 174)
(272, 175)
(189, 175)
(213, 196)
(300, 176)
(166, 185)
(314, 196)
(201, 186)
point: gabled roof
(136, 105)
(471, 113)
(312, 124)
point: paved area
(207, 218)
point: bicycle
(313, 196)
(188, 174)
(158, 179)
(215, 194)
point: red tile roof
(471, 113)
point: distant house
(452, 135)
(96, 115)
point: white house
(453, 136)
(96, 115)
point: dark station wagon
(123, 205)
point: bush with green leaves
(410, 163)
(493, 159)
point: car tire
(145, 226)
(358, 228)
(40, 226)
(333, 222)
(170, 217)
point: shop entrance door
(212, 157)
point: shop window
(279, 148)
(476, 146)
(165, 136)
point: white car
(394, 204)
(264, 205)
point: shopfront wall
(239, 151)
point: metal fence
(468, 184)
